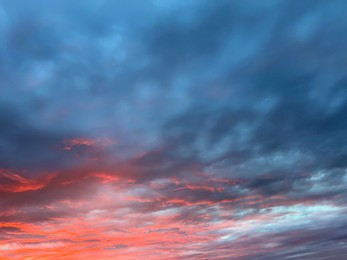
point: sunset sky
(173, 129)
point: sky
(173, 129)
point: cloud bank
(173, 129)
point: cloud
(173, 129)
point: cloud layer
(173, 129)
